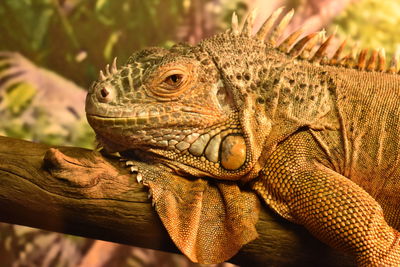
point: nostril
(104, 92)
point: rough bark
(80, 192)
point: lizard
(314, 136)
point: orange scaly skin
(296, 183)
(317, 138)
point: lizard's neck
(296, 95)
(300, 95)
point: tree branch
(77, 191)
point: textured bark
(80, 192)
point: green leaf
(17, 99)
(372, 23)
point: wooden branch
(77, 191)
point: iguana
(317, 137)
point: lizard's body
(363, 143)
(318, 142)
(366, 148)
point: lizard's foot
(134, 169)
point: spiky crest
(109, 71)
(313, 47)
(394, 64)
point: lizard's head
(174, 105)
(205, 110)
(193, 108)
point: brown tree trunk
(80, 192)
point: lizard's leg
(131, 165)
(329, 205)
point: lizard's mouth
(208, 149)
(154, 125)
(119, 134)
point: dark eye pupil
(174, 78)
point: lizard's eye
(174, 79)
(171, 80)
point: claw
(115, 154)
(139, 178)
(150, 195)
(129, 163)
(134, 169)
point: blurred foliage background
(51, 50)
(371, 24)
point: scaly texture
(316, 136)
